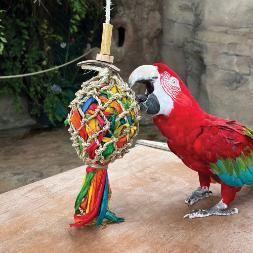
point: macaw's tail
(92, 202)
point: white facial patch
(170, 84)
(166, 87)
(165, 101)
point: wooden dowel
(106, 44)
(106, 39)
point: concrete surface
(141, 21)
(149, 187)
(28, 156)
(33, 156)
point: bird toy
(103, 122)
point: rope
(45, 70)
(108, 11)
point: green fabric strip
(84, 189)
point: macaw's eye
(174, 81)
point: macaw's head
(162, 88)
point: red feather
(197, 137)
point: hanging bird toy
(103, 122)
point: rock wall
(10, 117)
(210, 44)
(137, 28)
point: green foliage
(2, 34)
(42, 34)
(79, 8)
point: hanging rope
(108, 11)
(46, 70)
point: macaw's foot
(220, 209)
(198, 194)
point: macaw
(219, 150)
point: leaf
(1, 48)
(69, 94)
(3, 39)
(66, 122)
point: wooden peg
(105, 51)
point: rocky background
(209, 43)
(137, 34)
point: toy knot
(90, 169)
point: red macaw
(219, 150)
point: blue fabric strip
(87, 104)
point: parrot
(219, 150)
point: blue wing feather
(240, 175)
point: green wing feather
(248, 132)
(236, 172)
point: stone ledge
(149, 187)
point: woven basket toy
(103, 122)
(103, 118)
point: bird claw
(201, 213)
(198, 194)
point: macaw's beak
(145, 75)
